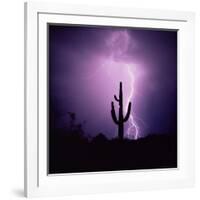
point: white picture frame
(37, 180)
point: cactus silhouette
(121, 119)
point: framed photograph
(109, 99)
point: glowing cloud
(87, 64)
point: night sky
(86, 64)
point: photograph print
(112, 98)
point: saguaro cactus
(121, 119)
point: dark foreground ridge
(69, 153)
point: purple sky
(86, 65)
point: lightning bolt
(117, 44)
(133, 128)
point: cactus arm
(116, 98)
(113, 113)
(128, 112)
